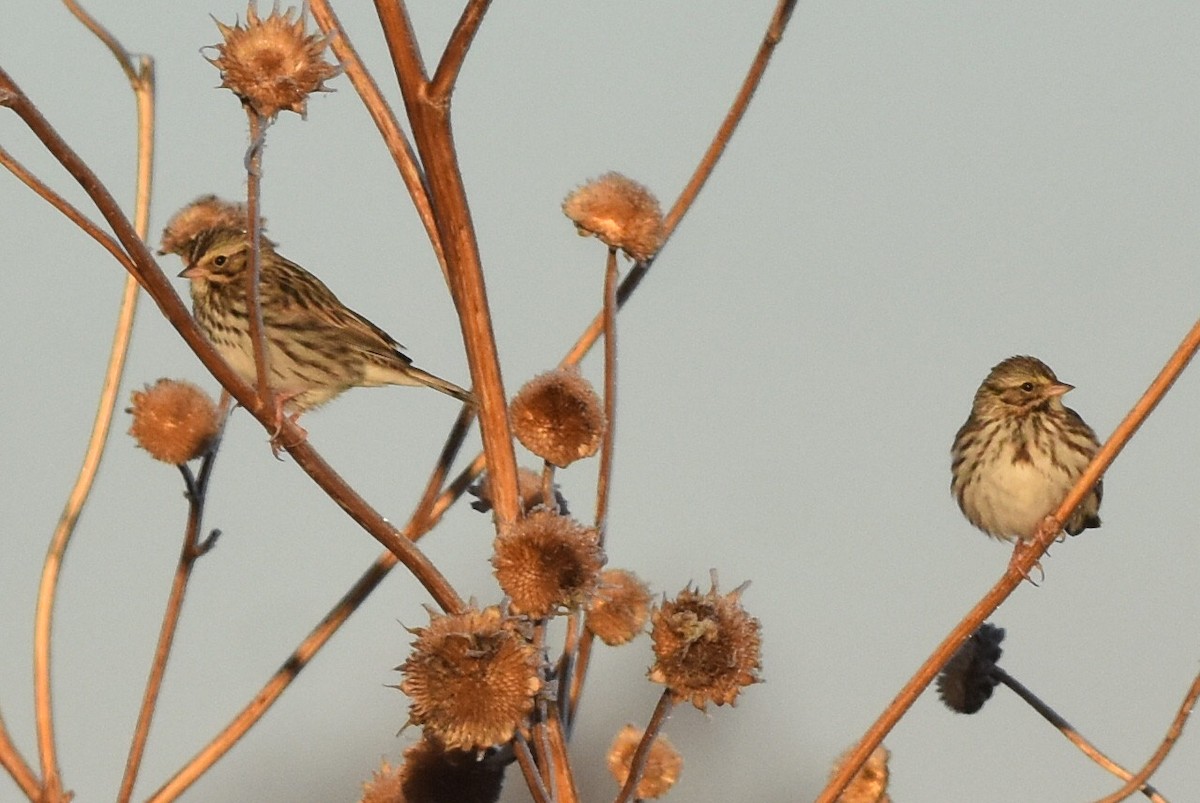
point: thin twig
(1017, 571)
(1173, 734)
(666, 701)
(529, 769)
(1073, 736)
(604, 478)
(18, 769)
(254, 314)
(455, 53)
(190, 551)
(381, 113)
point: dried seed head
(546, 562)
(966, 681)
(173, 420)
(663, 764)
(384, 786)
(558, 416)
(432, 773)
(707, 647)
(869, 784)
(272, 64)
(205, 213)
(529, 489)
(471, 678)
(619, 609)
(619, 211)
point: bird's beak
(1057, 389)
(190, 272)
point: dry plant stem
(430, 119)
(191, 550)
(455, 53)
(16, 766)
(142, 83)
(547, 484)
(737, 110)
(1072, 735)
(258, 335)
(666, 702)
(159, 288)
(385, 120)
(1016, 572)
(1173, 734)
(450, 450)
(529, 770)
(560, 762)
(610, 392)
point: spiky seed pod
(869, 784)
(619, 609)
(663, 764)
(471, 679)
(620, 212)
(546, 562)
(173, 420)
(707, 647)
(204, 213)
(384, 786)
(432, 774)
(967, 680)
(271, 64)
(558, 416)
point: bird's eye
(221, 260)
(1027, 387)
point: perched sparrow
(317, 347)
(1020, 452)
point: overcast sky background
(918, 191)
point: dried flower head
(869, 784)
(546, 562)
(619, 211)
(707, 647)
(471, 678)
(529, 489)
(173, 420)
(663, 764)
(272, 64)
(967, 680)
(619, 609)
(558, 416)
(431, 774)
(204, 213)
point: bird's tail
(437, 383)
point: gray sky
(918, 191)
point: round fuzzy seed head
(471, 679)
(663, 765)
(967, 680)
(620, 212)
(546, 562)
(204, 213)
(869, 784)
(707, 647)
(272, 64)
(173, 420)
(384, 786)
(432, 773)
(558, 416)
(619, 609)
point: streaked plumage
(1020, 452)
(317, 346)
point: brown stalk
(258, 334)
(530, 771)
(446, 74)
(18, 769)
(385, 121)
(159, 288)
(637, 764)
(193, 549)
(604, 478)
(430, 119)
(1018, 569)
(1073, 736)
(1173, 734)
(141, 81)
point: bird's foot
(1020, 550)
